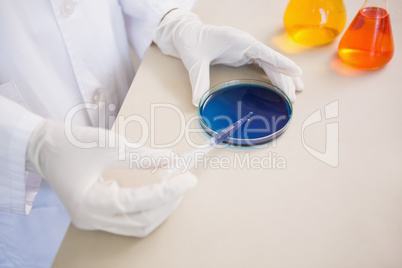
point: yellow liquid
(314, 22)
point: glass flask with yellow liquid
(368, 42)
(314, 22)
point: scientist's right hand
(183, 35)
(93, 203)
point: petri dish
(226, 103)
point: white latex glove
(93, 203)
(181, 34)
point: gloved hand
(181, 34)
(74, 173)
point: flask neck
(376, 3)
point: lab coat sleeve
(142, 16)
(16, 126)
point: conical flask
(314, 22)
(368, 42)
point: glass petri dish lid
(226, 103)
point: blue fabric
(33, 240)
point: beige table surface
(325, 194)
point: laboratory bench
(326, 193)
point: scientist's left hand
(181, 34)
(73, 166)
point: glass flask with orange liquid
(314, 22)
(368, 42)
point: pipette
(191, 157)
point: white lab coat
(55, 55)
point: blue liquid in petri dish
(271, 112)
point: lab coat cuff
(26, 185)
(142, 19)
(17, 188)
(163, 35)
(174, 15)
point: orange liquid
(368, 42)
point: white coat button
(67, 7)
(97, 96)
